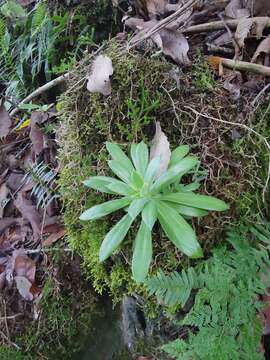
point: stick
(240, 65)
(219, 25)
(39, 91)
(161, 24)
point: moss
(144, 90)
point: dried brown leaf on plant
(160, 147)
(29, 212)
(5, 121)
(99, 79)
(264, 47)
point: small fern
(226, 304)
(173, 289)
(44, 187)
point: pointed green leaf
(136, 180)
(188, 211)
(100, 183)
(136, 207)
(151, 170)
(104, 209)
(140, 157)
(120, 170)
(173, 173)
(178, 230)
(114, 237)
(119, 187)
(178, 154)
(118, 154)
(142, 253)
(198, 201)
(149, 214)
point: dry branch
(219, 25)
(240, 65)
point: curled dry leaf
(29, 212)
(175, 45)
(99, 79)
(160, 147)
(242, 31)
(235, 9)
(5, 121)
(264, 47)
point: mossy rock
(148, 84)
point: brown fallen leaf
(160, 147)
(54, 237)
(7, 222)
(24, 287)
(5, 121)
(155, 8)
(264, 47)
(4, 192)
(99, 79)
(175, 45)
(36, 135)
(235, 9)
(29, 212)
(242, 31)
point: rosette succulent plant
(157, 198)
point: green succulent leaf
(142, 253)
(114, 237)
(172, 174)
(139, 154)
(98, 211)
(136, 207)
(198, 201)
(188, 211)
(191, 187)
(108, 185)
(136, 180)
(151, 170)
(178, 230)
(120, 170)
(118, 155)
(149, 214)
(178, 154)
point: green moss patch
(145, 90)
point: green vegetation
(226, 304)
(155, 197)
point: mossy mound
(159, 92)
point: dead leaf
(233, 83)
(155, 8)
(36, 135)
(235, 9)
(160, 147)
(99, 79)
(4, 192)
(7, 222)
(24, 286)
(24, 266)
(260, 25)
(29, 212)
(5, 121)
(54, 237)
(264, 47)
(242, 31)
(175, 45)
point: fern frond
(44, 189)
(173, 289)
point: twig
(10, 317)
(260, 94)
(219, 25)
(40, 91)
(9, 341)
(145, 34)
(240, 65)
(246, 128)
